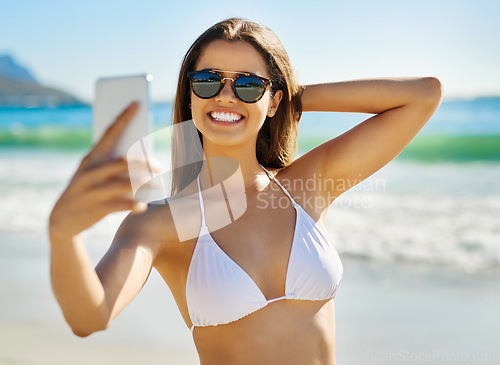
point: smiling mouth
(226, 117)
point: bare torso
(285, 331)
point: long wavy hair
(277, 139)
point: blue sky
(69, 44)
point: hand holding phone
(100, 185)
(136, 141)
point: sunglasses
(247, 87)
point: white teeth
(226, 117)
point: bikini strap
(279, 184)
(203, 224)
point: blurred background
(420, 239)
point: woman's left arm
(402, 107)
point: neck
(230, 164)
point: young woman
(259, 290)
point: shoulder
(304, 181)
(172, 221)
(148, 225)
(305, 171)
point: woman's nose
(227, 93)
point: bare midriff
(284, 332)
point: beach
(33, 330)
(385, 313)
(419, 241)
(403, 313)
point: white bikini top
(219, 291)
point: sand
(386, 313)
(400, 313)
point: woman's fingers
(101, 186)
(110, 190)
(109, 138)
(121, 167)
(77, 211)
(103, 148)
(91, 175)
(70, 217)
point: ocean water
(438, 203)
(461, 130)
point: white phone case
(112, 96)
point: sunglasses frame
(223, 79)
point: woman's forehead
(237, 56)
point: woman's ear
(275, 102)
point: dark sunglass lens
(205, 84)
(249, 89)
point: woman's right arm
(90, 298)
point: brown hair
(277, 139)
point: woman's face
(207, 114)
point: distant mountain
(11, 69)
(19, 88)
(15, 93)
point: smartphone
(112, 96)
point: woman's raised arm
(90, 298)
(402, 105)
